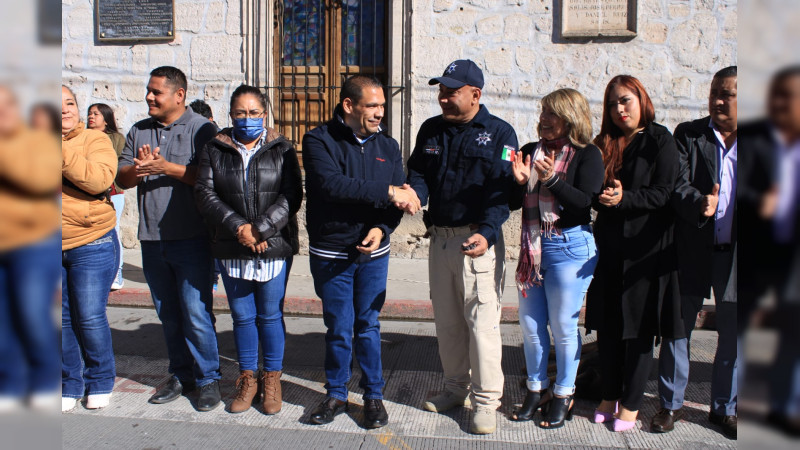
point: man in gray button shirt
(160, 159)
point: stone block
(442, 5)
(162, 56)
(730, 21)
(526, 58)
(189, 16)
(104, 57)
(539, 7)
(693, 42)
(499, 61)
(655, 33)
(139, 60)
(73, 57)
(490, 26)
(433, 55)
(215, 91)
(104, 90)
(80, 23)
(518, 27)
(458, 22)
(480, 3)
(651, 8)
(233, 18)
(133, 89)
(215, 17)
(681, 87)
(679, 10)
(216, 58)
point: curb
(415, 310)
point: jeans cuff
(537, 385)
(562, 391)
(378, 396)
(337, 396)
(672, 405)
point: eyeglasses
(242, 114)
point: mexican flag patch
(508, 153)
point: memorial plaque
(591, 18)
(135, 20)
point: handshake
(404, 198)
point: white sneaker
(444, 401)
(97, 401)
(45, 402)
(9, 404)
(68, 403)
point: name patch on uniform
(433, 150)
(508, 153)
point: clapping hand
(521, 168)
(544, 167)
(150, 162)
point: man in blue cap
(460, 165)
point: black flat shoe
(171, 391)
(375, 415)
(209, 397)
(560, 409)
(327, 410)
(532, 403)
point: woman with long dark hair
(101, 117)
(249, 190)
(634, 298)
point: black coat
(269, 201)
(694, 233)
(635, 287)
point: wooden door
(318, 44)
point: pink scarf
(539, 214)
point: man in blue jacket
(461, 164)
(354, 174)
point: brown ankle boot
(271, 388)
(246, 389)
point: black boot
(560, 409)
(529, 407)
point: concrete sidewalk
(407, 291)
(411, 370)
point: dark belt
(722, 247)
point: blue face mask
(248, 129)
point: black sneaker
(375, 415)
(209, 397)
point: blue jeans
(257, 312)
(352, 296)
(568, 263)
(28, 335)
(179, 276)
(119, 204)
(87, 357)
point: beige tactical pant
(466, 294)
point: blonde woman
(557, 178)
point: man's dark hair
(784, 73)
(354, 87)
(251, 90)
(727, 72)
(174, 76)
(202, 108)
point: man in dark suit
(770, 217)
(704, 200)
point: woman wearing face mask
(249, 190)
(89, 260)
(101, 117)
(557, 178)
(634, 298)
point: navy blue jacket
(347, 188)
(461, 168)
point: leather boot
(246, 389)
(271, 387)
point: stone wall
(680, 44)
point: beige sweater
(90, 162)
